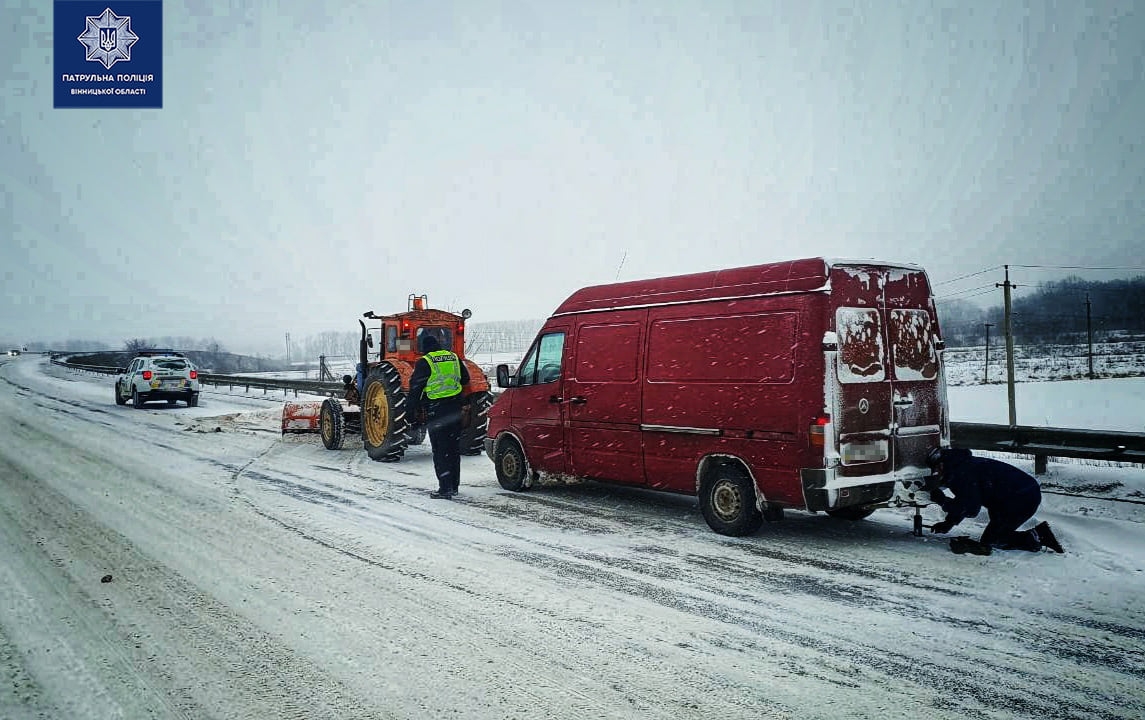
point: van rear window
(860, 345)
(171, 364)
(912, 343)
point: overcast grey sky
(314, 160)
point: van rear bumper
(823, 490)
(488, 442)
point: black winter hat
(934, 457)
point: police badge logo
(108, 38)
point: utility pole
(1089, 333)
(288, 349)
(1008, 328)
(986, 373)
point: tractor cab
(401, 335)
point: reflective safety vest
(444, 375)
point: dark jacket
(981, 482)
(417, 382)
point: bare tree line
(1066, 311)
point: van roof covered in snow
(806, 275)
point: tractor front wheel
(332, 424)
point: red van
(813, 384)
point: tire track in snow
(842, 586)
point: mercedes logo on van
(864, 406)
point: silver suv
(158, 375)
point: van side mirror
(503, 379)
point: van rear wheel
(855, 512)
(512, 468)
(727, 499)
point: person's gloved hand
(942, 527)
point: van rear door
(891, 399)
(863, 406)
(919, 390)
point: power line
(980, 272)
(1079, 267)
(961, 292)
(987, 291)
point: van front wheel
(727, 499)
(512, 469)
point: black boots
(961, 545)
(441, 495)
(1047, 538)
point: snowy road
(257, 577)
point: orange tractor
(374, 402)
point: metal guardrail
(1047, 442)
(1041, 442)
(314, 387)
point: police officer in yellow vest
(436, 386)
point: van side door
(602, 390)
(538, 406)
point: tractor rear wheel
(384, 422)
(473, 437)
(332, 424)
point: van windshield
(912, 338)
(860, 345)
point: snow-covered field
(256, 576)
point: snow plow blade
(301, 417)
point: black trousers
(1002, 530)
(444, 428)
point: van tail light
(194, 374)
(146, 374)
(818, 431)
